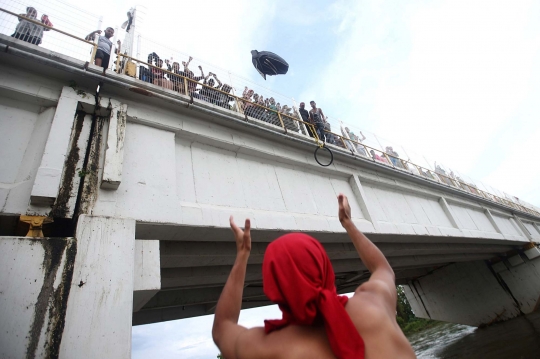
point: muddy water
(518, 338)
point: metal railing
(38, 29)
(207, 88)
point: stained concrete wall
(181, 168)
(25, 129)
(35, 283)
(477, 293)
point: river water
(518, 338)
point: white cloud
(442, 78)
(189, 338)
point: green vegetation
(406, 319)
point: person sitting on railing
(29, 31)
(316, 116)
(305, 117)
(104, 47)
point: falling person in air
(316, 322)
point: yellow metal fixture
(36, 224)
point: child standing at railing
(103, 53)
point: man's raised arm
(226, 330)
(370, 255)
(90, 36)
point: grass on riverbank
(405, 317)
(417, 325)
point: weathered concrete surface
(177, 171)
(146, 276)
(50, 170)
(101, 298)
(35, 284)
(477, 293)
(114, 154)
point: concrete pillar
(448, 211)
(35, 283)
(72, 298)
(99, 310)
(492, 221)
(363, 201)
(114, 153)
(147, 273)
(49, 173)
(476, 293)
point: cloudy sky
(456, 81)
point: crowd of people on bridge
(208, 87)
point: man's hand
(344, 212)
(243, 237)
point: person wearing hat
(317, 322)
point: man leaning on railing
(103, 53)
(30, 31)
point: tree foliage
(405, 317)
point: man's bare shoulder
(372, 309)
(291, 342)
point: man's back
(375, 323)
(298, 274)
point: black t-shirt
(304, 114)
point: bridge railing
(254, 107)
(58, 31)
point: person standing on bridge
(316, 323)
(104, 47)
(317, 117)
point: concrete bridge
(140, 181)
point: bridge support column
(477, 293)
(69, 297)
(99, 309)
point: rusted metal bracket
(36, 224)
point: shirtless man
(372, 309)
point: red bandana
(298, 276)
